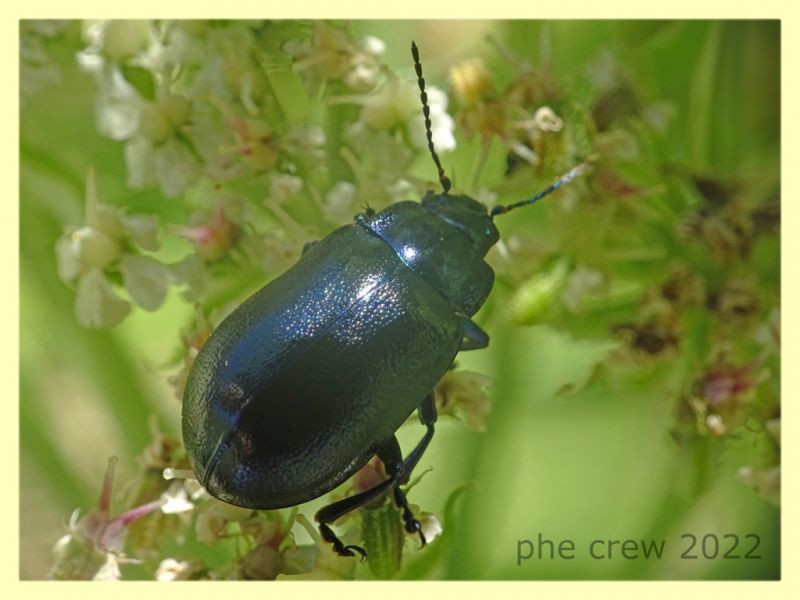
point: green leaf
(288, 90)
(141, 79)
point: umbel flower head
(105, 250)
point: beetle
(309, 378)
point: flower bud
(283, 187)
(538, 294)
(175, 108)
(124, 38)
(94, 247)
(471, 81)
(107, 219)
(154, 124)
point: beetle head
(467, 215)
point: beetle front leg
(474, 338)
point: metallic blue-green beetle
(312, 376)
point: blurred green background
(597, 463)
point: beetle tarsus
(358, 549)
(338, 546)
(410, 523)
(423, 541)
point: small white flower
(143, 230)
(339, 201)
(96, 303)
(173, 570)
(283, 187)
(306, 142)
(580, 283)
(176, 499)
(374, 46)
(397, 104)
(442, 124)
(146, 280)
(189, 272)
(362, 76)
(118, 106)
(431, 526)
(109, 571)
(175, 168)
(117, 39)
(486, 196)
(715, 425)
(401, 190)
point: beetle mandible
(310, 377)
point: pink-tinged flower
(214, 238)
(92, 548)
(367, 477)
(463, 395)
(256, 143)
(724, 383)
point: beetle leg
(391, 456)
(398, 471)
(474, 337)
(427, 416)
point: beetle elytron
(312, 375)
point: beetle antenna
(564, 179)
(427, 112)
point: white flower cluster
(109, 244)
(211, 112)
